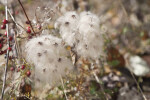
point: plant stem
(7, 56)
(144, 97)
(26, 16)
(100, 83)
(17, 24)
(63, 87)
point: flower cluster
(47, 52)
(82, 32)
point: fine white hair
(67, 25)
(84, 32)
(91, 43)
(49, 57)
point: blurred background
(126, 28)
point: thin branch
(124, 10)
(13, 28)
(16, 45)
(64, 88)
(7, 56)
(100, 83)
(26, 16)
(36, 15)
(17, 24)
(144, 97)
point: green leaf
(60, 87)
(142, 34)
(2, 8)
(92, 90)
(125, 29)
(114, 63)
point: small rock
(125, 93)
(138, 66)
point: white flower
(67, 25)
(49, 57)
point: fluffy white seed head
(67, 25)
(83, 31)
(92, 48)
(49, 57)
(88, 23)
(88, 16)
(91, 41)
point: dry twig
(7, 56)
